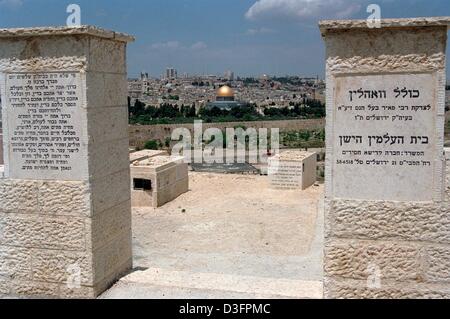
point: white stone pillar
(65, 212)
(387, 211)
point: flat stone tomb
(157, 180)
(292, 170)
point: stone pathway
(161, 283)
(230, 236)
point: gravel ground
(229, 225)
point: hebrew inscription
(384, 137)
(285, 175)
(46, 128)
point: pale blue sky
(250, 37)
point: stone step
(161, 283)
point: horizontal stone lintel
(327, 26)
(65, 31)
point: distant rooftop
(64, 30)
(339, 25)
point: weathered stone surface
(107, 56)
(40, 64)
(330, 25)
(30, 54)
(437, 264)
(416, 54)
(389, 220)
(354, 289)
(65, 31)
(54, 266)
(4, 286)
(354, 260)
(35, 231)
(64, 198)
(382, 64)
(33, 288)
(18, 195)
(447, 184)
(15, 263)
(83, 292)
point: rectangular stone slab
(384, 137)
(47, 132)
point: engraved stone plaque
(285, 174)
(384, 137)
(46, 126)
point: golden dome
(225, 91)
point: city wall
(139, 134)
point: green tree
(137, 109)
(191, 112)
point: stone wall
(1, 146)
(139, 134)
(408, 244)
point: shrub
(151, 145)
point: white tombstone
(292, 170)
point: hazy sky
(250, 37)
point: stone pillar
(65, 212)
(387, 224)
(1, 147)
